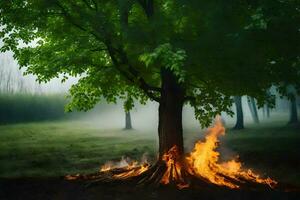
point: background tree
(128, 124)
(171, 52)
(128, 105)
(266, 110)
(293, 111)
(253, 109)
(292, 97)
(239, 113)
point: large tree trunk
(253, 109)
(239, 113)
(169, 168)
(170, 114)
(293, 111)
(128, 121)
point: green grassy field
(51, 149)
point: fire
(203, 162)
(174, 170)
(133, 171)
(120, 164)
(128, 168)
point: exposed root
(153, 178)
(201, 167)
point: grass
(51, 149)
(271, 148)
(60, 148)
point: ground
(55, 189)
(34, 158)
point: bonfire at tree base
(199, 167)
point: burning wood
(174, 172)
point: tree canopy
(216, 49)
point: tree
(266, 110)
(292, 97)
(293, 111)
(239, 113)
(171, 52)
(128, 104)
(253, 109)
(128, 125)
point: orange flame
(174, 169)
(130, 168)
(203, 162)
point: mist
(13, 80)
(111, 116)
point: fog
(107, 116)
(145, 117)
(13, 80)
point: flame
(129, 168)
(134, 171)
(203, 162)
(174, 168)
(124, 162)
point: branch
(72, 21)
(135, 72)
(133, 76)
(148, 90)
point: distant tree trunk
(293, 111)
(267, 105)
(239, 113)
(253, 109)
(263, 111)
(170, 114)
(128, 124)
(267, 110)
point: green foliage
(215, 49)
(164, 55)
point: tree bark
(170, 114)
(128, 124)
(253, 109)
(239, 113)
(267, 110)
(263, 111)
(293, 111)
